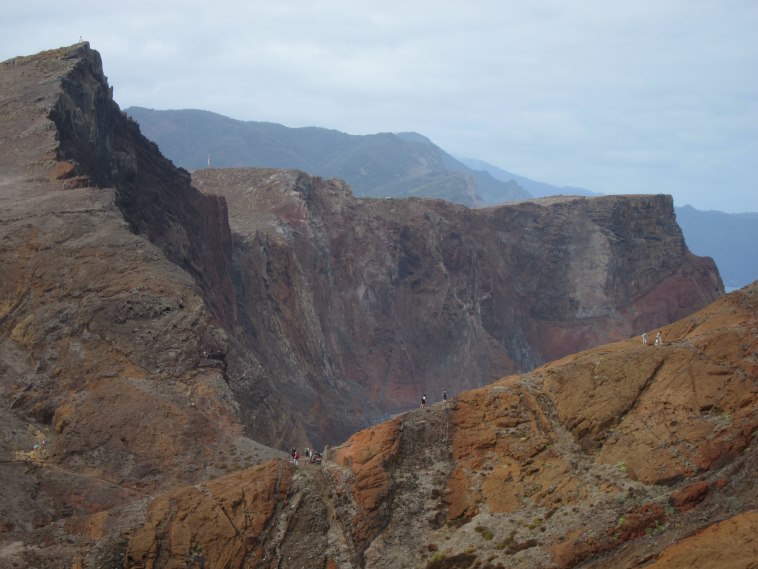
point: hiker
(658, 339)
(423, 400)
(644, 338)
(444, 394)
(296, 458)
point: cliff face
(105, 149)
(350, 301)
(620, 456)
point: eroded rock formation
(331, 312)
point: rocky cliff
(98, 147)
(622, 456)
(361, 300)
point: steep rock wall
(106, 149)
(120, 383)
(340, 311)
(350, 301)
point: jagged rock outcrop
(649, 461)
(98, 146)
(351, 300)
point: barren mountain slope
(621, 456)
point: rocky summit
(163, 336)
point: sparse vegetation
(439, 556)
(395, 485)
(196, 553)
(457, 522)
(458, 561)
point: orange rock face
(732, 543)
(504, 429)
(560, 466)
(369, 454)
(668, 411)
(216, 525)
(689, 496)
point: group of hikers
(312, 456)
(423, 398)
(658, 339)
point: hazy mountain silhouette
(375, 165)
(729, 238)
(537, 189)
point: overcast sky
(642, 96)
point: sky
(643, 96)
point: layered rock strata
(330, 312)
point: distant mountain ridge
(727, 238)
(375, 165)
(535, 188)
